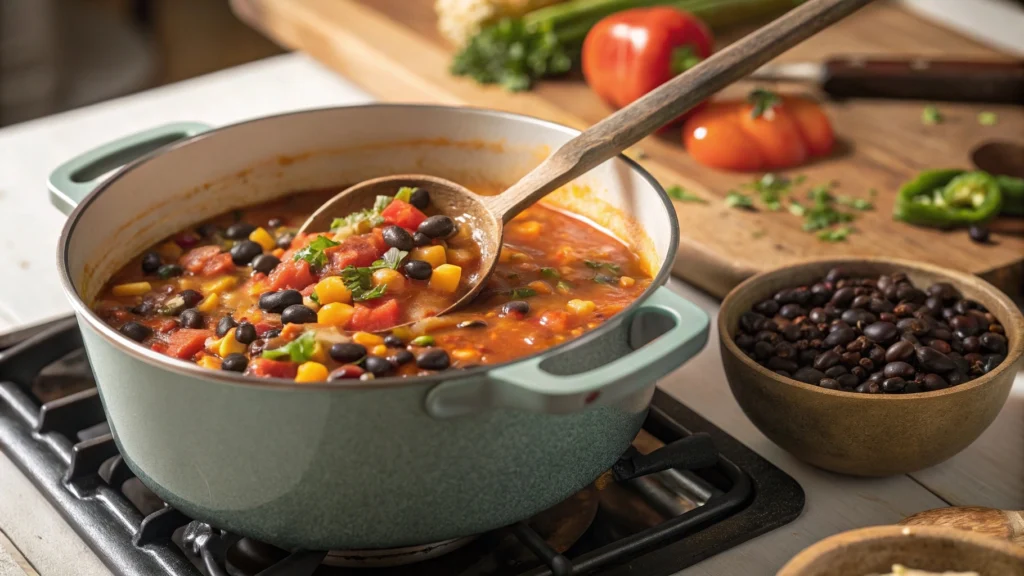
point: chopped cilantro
(683, 195)
(357, 280)
(370, 215)
(314, 251)
(987, 118)
(796, 208)
(563, 286)
(736, 200)
(299, 350)
(835, 235)
(855, 203)
(391, 259)
(771, 189)
(375, 292)
(613, 268)
(550, 273)
(522, 292)
(931, 116)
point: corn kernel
(367, 339)
(278, 253)
(209, 304)
(530, 228)
(228, 345)
(626, 281)
(210, 362)
(131, 289)
(335, 314)
(580, 307)
(222, 284)
(379, 350)
(393, 279)
(446, 278)
(311, 372)
(187, 283)
(403, 333)
(257, 288)
(465, 354)
(169, 251)
(540, 287)
(461, 256)
(434, 255)
(332, 289)
(263, 238)
(319, 353)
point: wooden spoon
(486, 215)
(1003, 524)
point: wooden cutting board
(392, 49)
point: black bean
(207, 230)
(298, 314)
(806, 357)
(940, 345)
(271, 333)
(843, 297)
(767, 336)
(912, 326)
(802, 295)
(859, 344)
(836, 325)
(397, 237)
(401, 357)
(421, 239)
(785, 350)
(433, 359)
(144, 308)
(899, 351)
(276, 302)
(779, 363)
(877, 355)
(751, 322)
(744, 341)
(770, 325)
(808, 375)
(224, 325)
(190, 297)
(907, 293)
(876, 377)
(883, 282)
(191, 318)
(956, 378)
(932, 360)
(821, 293)
(891, 292)
(882, 332)
(284, 241)
(967, 324)
(860, 373)
(944, 291)
(812, 332)
(898, 368)
(245, 333)
(990, 362)
(791, 333)
(961, 363)
(894, 385)
(964, 306)
(234, 362)
(836, 371)
(851, 359)
(862, 301)
(791, 311)
(831, 311)
(763, 350)
(852, 316)
(942, 334)
(265, 263)
(515, 307)
(934, 305)
(913, 387)
(437, 226)
(868, 388)
(150, 262)
(786, 296)
(392, 341)
(908, 337)
(818, 315)
(979, 234)
(840, 337)
(866, 364)
(242, 253)
(993, 342)
(418, 269)
(835, 275)
(826, 360)
(847, 380)
(239, 230)
(971, 344)
(136, 331)
(347, 352)
(829, 384)
(934, 382)
(377, 366)
(419, 198)
(767, 307)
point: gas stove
(683, 492)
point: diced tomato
(376, 236)
(194, 260)
(291, 274)
(401, 213)
(267, 368)
(381, 317)
(158, 346)
(160, 324)
(556, 320)
(262, 328)
(186, 342)
(308, 290)
(355, 251)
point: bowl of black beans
(870, 367)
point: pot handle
(73, 180)
(526, 385)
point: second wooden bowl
(867, 434)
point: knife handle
(925, 79)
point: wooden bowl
(867, 434)
(874, 550)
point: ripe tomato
(403, 214)
(632, 52)
(764, 133)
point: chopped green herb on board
(931, 116)
(737, 200)
(987, 118)
(681, 194)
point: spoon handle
(629, 125)
(1003, 524)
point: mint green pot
(364, 465)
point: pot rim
(1015, 324)
(158, 360)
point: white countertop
(989, 473)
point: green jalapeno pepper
(948, 198)
(1013, 195)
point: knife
(999, 82)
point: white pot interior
(260, 160)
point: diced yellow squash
(529, 228)
(187, 283)
(461, 256)
(263, 238)
(403, 333)
(335, 314)
(311, 372)
(229, 345)
(580, 307)
(393, 279)
(446, 278)
(367, 339)
(319, 353)
(131, 289)
(222, 284)
(332, 289)
(434, 255)
(169, 251)
(257, 288)
(209, 304)
(626, 281)
(211, 362)
(379, 350)
(540, 287)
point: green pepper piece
(1013, 195)
(948, 198)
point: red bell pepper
(379, 317)
(630, 53)
(186, 342)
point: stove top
(684, 491)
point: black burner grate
(66, 449)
